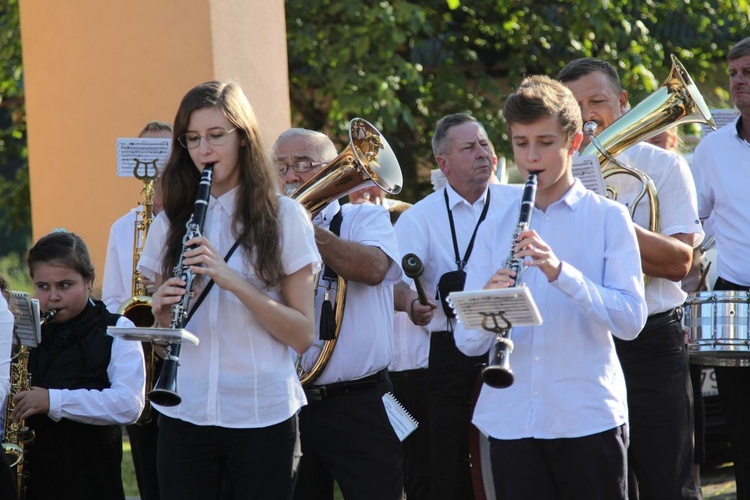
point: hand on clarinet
(169, 293)
(205, 260)
(535, 252)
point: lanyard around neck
(461, 263)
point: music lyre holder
(149, 173)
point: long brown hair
(255, 222)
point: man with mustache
(345, 416)
(440, 230)
(720, 164)
(656, 365)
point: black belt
(659, 320)
(338, 389)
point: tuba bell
(368, 160)
(677, 101)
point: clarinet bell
(497, 373)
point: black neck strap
(335, 228)
(210, 284)
(461, 263)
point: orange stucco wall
(98, 70)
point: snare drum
(717, 324)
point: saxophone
(497, 373)
(16, 435)
(164, 392)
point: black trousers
(586, 468)
(733, 383)
(193, 460)
(660, 456)
(452, 377)
(348, 437)
(143, 439)
(8, 481)
(411, 389)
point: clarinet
(497, 373)
(164, 392)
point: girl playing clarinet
(239, 393)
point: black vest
(75, 355)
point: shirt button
(538, 358)
(536, 394)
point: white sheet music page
(479, 308)
(147, 155)
(587, 170)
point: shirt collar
(574, 195)
(227, 201)
(325, 215)
(454, 198)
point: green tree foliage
(15, 213)
(404, 64)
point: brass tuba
(677, 101)
(138, 307)
(368, 160)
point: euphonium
(675, 102)
(16, 435)
(368, 160)
(138, 307)
(497, 373)
(165, 390)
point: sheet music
(401, 420)
(721, 116)
(588, 171)
(149, 155)
(26, 312)
(515, 305)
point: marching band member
(240, 393)
(345, 416)
(656, 365)
(85, 384)
(437, 229)
(718, 165)
(116, 290)
(560, 430)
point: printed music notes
(476, 309)
(142, 157)
(587, 170)
(26, 312)
(401, 420)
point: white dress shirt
(568, 380)
(121, 403)
(6, 345)
(365, 343)
(677, 207)
(240, 376)
(411, 344)
(425, 231)
(117, 282)
(721, 167)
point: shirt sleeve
(618, 303)
(114, 291)
(372, 226)
(121, 403)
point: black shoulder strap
(461, 263)
(210, 284)
(335, 228)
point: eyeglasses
(215, 137)
(300, 166)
